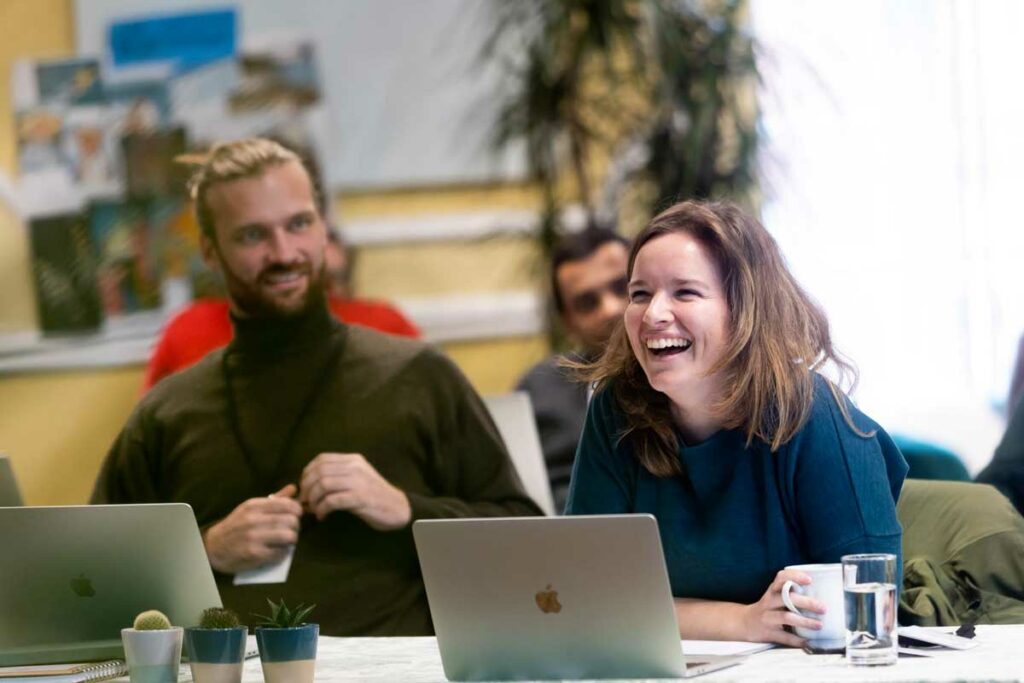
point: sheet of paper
(270, 573)
(722, 647)
(943, 637)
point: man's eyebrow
(247, 226)
(304, 213)
(598, 288)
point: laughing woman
(710, 414)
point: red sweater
(206, 325)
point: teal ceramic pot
(216, 655)
(288, 655)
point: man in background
(306, 438)
(1006, 469)
(1016, 379)
(588, 285)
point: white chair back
(10, 496)
(513, 413)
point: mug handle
(788, 601)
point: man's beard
(251, 302)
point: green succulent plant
(218, 617)
(152, 620)
(282, 617)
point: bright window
(896, 132)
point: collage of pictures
(104, 193)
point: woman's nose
(657, 310)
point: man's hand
(256, 533)
(345, 481)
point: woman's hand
(764, 621)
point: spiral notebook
(64, 673)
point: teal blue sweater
(738, 515)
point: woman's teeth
(661, 344)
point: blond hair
(778, 338)
(236, 160)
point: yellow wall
(491, 264)
(57, 426)
(28, 28)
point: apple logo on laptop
(547, 600)
(82, 586)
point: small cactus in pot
(152, 648)
(218, 617)
(152, 620)
(216, 648)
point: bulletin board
(407, 101)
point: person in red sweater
(205, 324)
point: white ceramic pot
(152, 656)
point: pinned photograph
(69, 82)
(90, 149)
(39, 140)
(127, 249)
(64, 271)
(150, 166)
(141, 106)
(282, 76)
(177, 235)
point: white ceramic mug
(827, 587)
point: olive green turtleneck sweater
(400, 403)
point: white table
(998, 657)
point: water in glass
(870, 623)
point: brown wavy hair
(778, 339)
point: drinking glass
(869, 592)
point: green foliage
(703, 138)
(664, 89)
(550, 52)
(282, 617)
(692, 61)
(152, 620)
(218, 617)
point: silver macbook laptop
(73, 577)
(553, 598)
(10, 496)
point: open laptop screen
(550, 598)
(74, 576)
